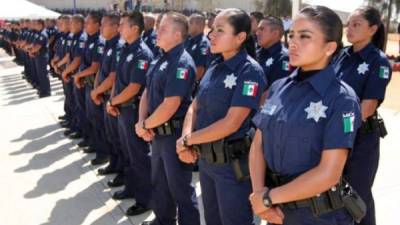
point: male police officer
(163, 105)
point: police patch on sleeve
(100, 49)
(250, 88)
(143, 64)
(182, 74)
(204, 51)
(348, 122)
(82, 45)
(384, 72)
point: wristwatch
(110, 103)
(185, 142)
(267, 200)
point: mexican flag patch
(384, 72)
(82, 45)
(182, 73)
(142, 64)
(250, 88)
(348, 122)
(286, 66)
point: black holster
(372, 124)
(235, 153)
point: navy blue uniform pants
(304, 216)
(138, 167)
(95, 115)
(361, 169)
(112, 134)
(41, 73)
(172, 187)
(225, 200)
(80, 113)
(70, 103)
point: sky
(342, 5)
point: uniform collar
(149, 32)
(77, 35)
(196, 38)
(134, 45)
(274, 49)
(236, 60)
(176, 51)
(364, 53)
(320, 81)
(113, 40)
(94, 36)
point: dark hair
(113, 17)
(96, 16)
(275, 23)
(135, 18)
(373, 16)
(180, 21)
(328, 21)
(257, 15)
(199, 18)
(241, 22)
(41, 22)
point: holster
(170, 127)
(372, 124)
(235, 153)
(89, 81)
(133, 102)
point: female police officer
(305, 130)
(366, 69)
(219, 118)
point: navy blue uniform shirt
(274, 61)
(107, 58)
(41, 38)
(93, 50)
(134, 62)
(77, 44)
(238, 82)
(172, 74)
(367, 71)
(301, 119)
(198, 47)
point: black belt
(168, 128)
(134, 102)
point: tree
(277, 8)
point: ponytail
(250, 46)
(379, 37)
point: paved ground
(46, 181)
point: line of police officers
(154, 97)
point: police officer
(53, 34)
(131, 71)
(272, 55)
(149, 35)
(39, 52)
(90, 64)
(367, 70)
(101, 94)
(305, 131)
(76, 42)
(163, 105)
(198, 44)
(219, 119)
(256, 18)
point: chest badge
(91, 45)
(230, 81)
(194, 47)
(163, 66)
(269, 62)
(109, 52)
(363, 68)
(129, 58)
(316, 110)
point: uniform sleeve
(201, 54)
(114, 62)
(97, 56)
(250, 87)
(377, 81)
(139, 70)
(79, 48)
(342, 125)
(179, 81)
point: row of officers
(290, 135)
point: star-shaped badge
(230, 81)
(316, 110)
(109, 52)
(194, 47)
(91, 45)
(269, 62)
(163, 66)
(363, 68)
(129, 58)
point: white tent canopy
(19, 9)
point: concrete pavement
(45, 180)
